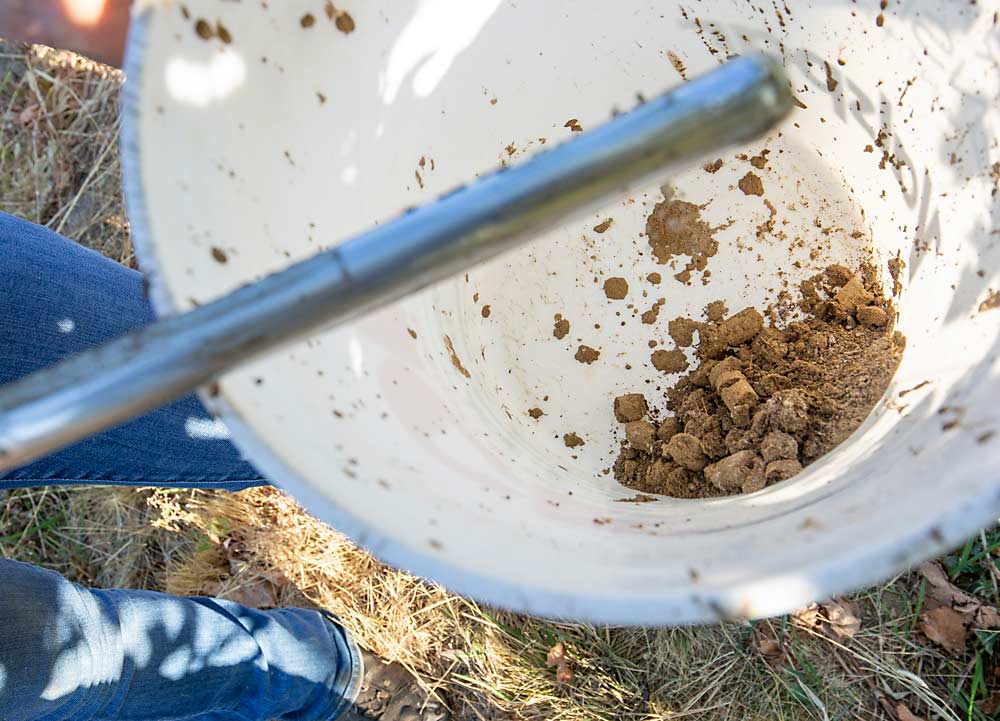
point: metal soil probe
(144, 369)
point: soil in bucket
(769, 395)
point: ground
(920, 646)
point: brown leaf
(986, 617)
(807, 617)
(258, 594)
(945, 627)
(767, 647)
(27, 115)
(904, 714)
(990, 704)
(942, 591)
(844, 618)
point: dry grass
(59, 167)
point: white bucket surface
(280, 134)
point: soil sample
(764, 400)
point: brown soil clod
(572, 440)
(536, 413)
(586, 354)
(751, 184)
(765, 400)
(682, 331)
(760, 161)
(716, 311)
(713, 167)
(669, 361)
(616, 288)
(675, 227)
(603, 225)
(560, 329)
(630, 407)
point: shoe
(391, 693)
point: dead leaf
(990, 704)
(904, 714)
(844, 618)
(258, 594)
(767, 647)
(807, 617)
(557, 657)
(945, 627)
(942, 592)
(986, 617)
(27, 115)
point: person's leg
(58, 298)
(72, 654)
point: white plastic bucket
(279, 134)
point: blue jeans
(72, 654)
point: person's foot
(391, 693)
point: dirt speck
(616, 288)
(223, 32)
(536, 413)
(203, 29)
(760, 161)
(455, 360)
(574, 125)
(603, 225)
(307, 20)
(992, 301)
(560, 329)
(572, 440)
(654, 278)
(413, 333)
(896, 266)
(713, 167)
(219, 255)
(831, 82)
(586, 354)
(344, 22)
(486, 311)
(751, 184)
(677, 63)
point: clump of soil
(560, 328)
(675, 227)
(751, 184)
(616, 288)
(765, 400)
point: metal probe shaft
(144, 369)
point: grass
(59, 167)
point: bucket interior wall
(409, 429)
